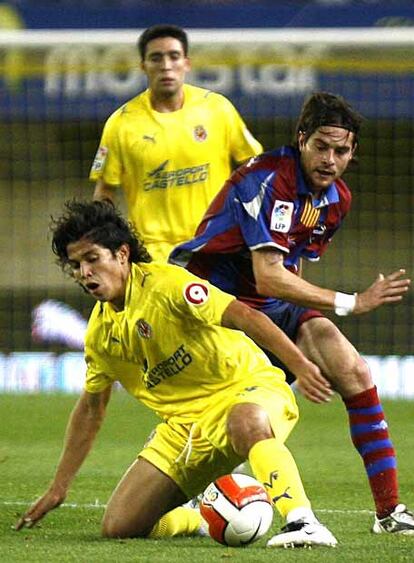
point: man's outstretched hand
(385, 289)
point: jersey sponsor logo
(144, 329)
(158, 170)
(196, 293)
(200, 134)
(100, 158)
(172, 365)
(160, 178)
(281, 219)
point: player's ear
(123, 253)
(187, 66)
(354, 148)
(301, 140)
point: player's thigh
(323, 343)
(142, 496)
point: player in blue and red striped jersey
(283, 206)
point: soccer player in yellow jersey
(176, 344)
(170, 148)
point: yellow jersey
(171, 165)
(167, 347)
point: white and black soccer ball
(237, 509)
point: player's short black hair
(99, 222)
(324, 108)
(162, 30)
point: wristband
(344, 303)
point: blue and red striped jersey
(265, 203)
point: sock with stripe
(370, 436)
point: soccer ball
(237, 509)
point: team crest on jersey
(196, 293)
(281, 219)
(100, 158)
(200, 134)
(144, 329)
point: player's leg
(260, 436)
(252, 437)
(323, 343)
(143, 505)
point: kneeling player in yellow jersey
(169, 338)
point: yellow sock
(274, 466)
(181, 521)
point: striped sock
(369, 432)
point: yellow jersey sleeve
(107, 163)
(242, 144)
(198, 300)
(97, 370)
(96, 378)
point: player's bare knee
(247, 424)
(118, 528)
(362, 374)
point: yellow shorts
(194, 454)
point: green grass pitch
(31, 432)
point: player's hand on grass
(312, 384)
(39, 509)
(385, 289)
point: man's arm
(104, 191)
(274, 280)
(83, 425)
(266, 334)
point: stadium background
(54, 102)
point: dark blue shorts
(289, 318)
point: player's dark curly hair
(162, 30)
(99, 222)
(324, 108)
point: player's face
(325, 155)
(99, 272)
(165, 65)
